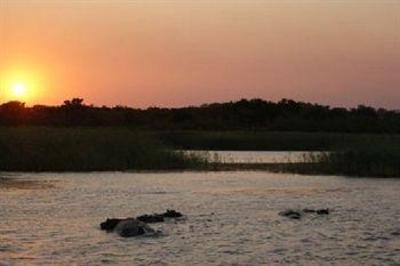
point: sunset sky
(176, 53)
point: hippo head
(110, 224)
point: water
(232, 219)
(253, 156)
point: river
(232, 218)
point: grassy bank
(369, 155)
(347, 163)
(378, 160)
(86, 149)
(269, 141)
(111, 149)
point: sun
(21, 84)
(19, 90)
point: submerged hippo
(309, 210)
(317, 211)
(151, 218)
(110, 224)
(127, 227)
(172, 214)
(159, 217)
(133, 227)
(323, 211)
(291, 214)
(298, 214)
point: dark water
(232, 219)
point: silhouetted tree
(253, 114)
(12, 113)
(74, 103)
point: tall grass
(101, 149)
(372, 155)
(374, 163)
(86, 149)
(377, 160)
(267, 141)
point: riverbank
(352, 163)
(41, 149)
(367, 155)
(268, 140)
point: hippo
(159, 217)
(132, 227)
(309, 210)
(318, 211)
(172, 214)
(298, 214)
(291, 214)
(323, 211)
(127, 227)
(110, 224)
(151, 218)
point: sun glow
(19, 90)
(20, 85)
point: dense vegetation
(77, 137)
(248, 115)
(365, 161)
(85, 149)
(100, 149)
(270, 141)
(378, 160)
(374, 155)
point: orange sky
(174, 53)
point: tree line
(253, 114)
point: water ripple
(232, 219)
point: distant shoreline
(80, 149)
(251, 115)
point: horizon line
(200, 105)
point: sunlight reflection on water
(232, 219)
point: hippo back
(132, 227)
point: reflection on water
(254, 156)
(232, 219)
(23, 183)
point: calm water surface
(253, 156)
(232, 219)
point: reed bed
(87, 149)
